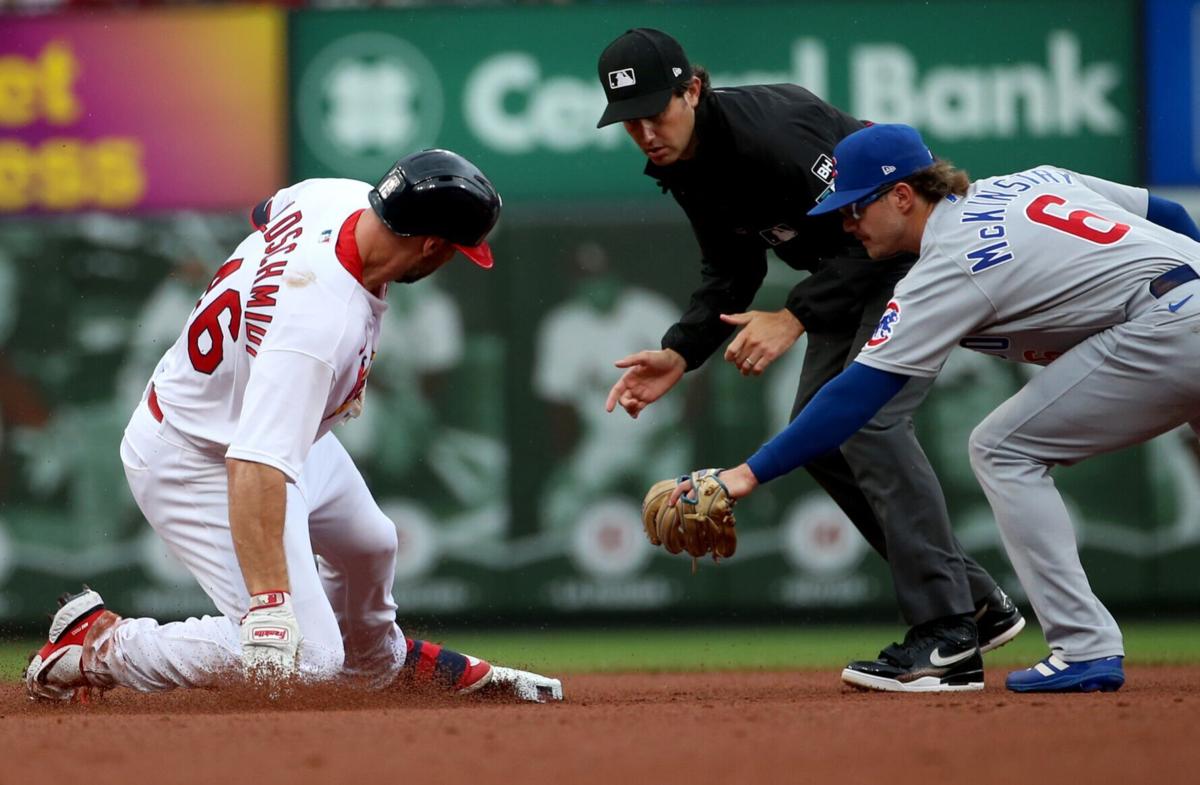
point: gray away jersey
(1024, 267)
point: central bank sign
(513, 105)
(525, 105)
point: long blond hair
(934, 183)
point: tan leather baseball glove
(701, 522)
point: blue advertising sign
(1172, 47)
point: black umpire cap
(640, 71)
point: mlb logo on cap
(640, 71)
(871, 158)
(622, 78)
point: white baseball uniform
(274, 354)
(1051, 267)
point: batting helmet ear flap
(440, 193)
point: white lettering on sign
(1061, 97)
(512, 106)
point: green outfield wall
(484, 435)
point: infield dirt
(752, 727)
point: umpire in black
(746, 164)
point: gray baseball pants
(882, 480)
(1119, 387)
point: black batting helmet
(439, 193)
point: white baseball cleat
(527, 686)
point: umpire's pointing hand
(648, 376)
(764, 336)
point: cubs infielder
(1094, 280)
(231, 459)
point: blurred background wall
(134, 136)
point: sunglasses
(855, 210)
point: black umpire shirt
(763, 158)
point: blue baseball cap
(869, 159)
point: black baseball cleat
(998, 620)
(938, 656)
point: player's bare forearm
(257, 502)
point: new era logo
(888, 168)
(622, 77)
(677, 70)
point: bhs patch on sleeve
(823, 169)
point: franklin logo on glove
(270, 638)
(270, 633)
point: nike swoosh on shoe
(937, 660)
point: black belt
(1172, 278)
